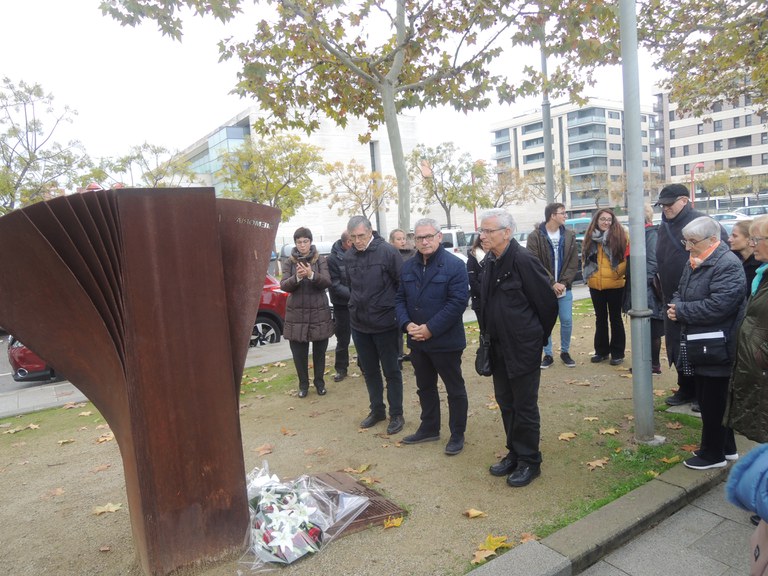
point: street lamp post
(699, 165)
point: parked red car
(28, 366)
(268, 328)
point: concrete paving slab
(603, 568)
(728, 542)
(587, 540)
(714, 501)
(694, 482)
(529, 559)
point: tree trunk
(398, 156)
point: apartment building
(588, 151)
(728, 138)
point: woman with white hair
(709, 305)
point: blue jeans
(374, 350)
(565, 313)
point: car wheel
(265, 331)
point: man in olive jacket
(555, 246)
(519, 310)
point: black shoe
(598, 358)
(523, 475)
(339, 376)
(405, 358)
(699, 463)
(372, 419)
(396, 424)
(503, 466)
(303, 393)
(616, 361)
(755, 519)
(547, 361)
(421, 436)
(321, 391)
(455, 445)
(695, 406)
(678, 399)
(567, 360)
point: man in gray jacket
(555, 246)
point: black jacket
(373, 275)
(712, 297)
(518, 307)
(671, 259)
(339, 290)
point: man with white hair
(518, 310)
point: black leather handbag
(483, 358)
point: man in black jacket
(373, 268)
(671, 258)
(519, 310)
(339, 292)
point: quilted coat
(308, 314)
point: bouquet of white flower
(294, 518)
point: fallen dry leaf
(481, 556)
(107, 437)
(625, 375)
(492, 405)
(689, 447)
(70, 405)
(67, 441)
(494, 543)
(104, 548)
(279, 364)
(286, 432)
(86, 413)
(472, 513)
(33, 426)
(369, 480)
(597, 463)
(591, 418)
(579, 382)
(264, 449)
(264, 370)
(674, 425)
(391, 522)
(629, 416)
(102, 427)
(567, 436)
(611, 431)
(100, 468)
(659, 392)
(528, 537)
(53, 493)
(108, 507)
(651, 473)
(672, 460)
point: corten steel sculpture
(145, 300)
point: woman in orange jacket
(605, 251)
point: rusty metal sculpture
(145, 300)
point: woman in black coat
(710, 300)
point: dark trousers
(343, 333)
(377, 353)
(518, 400)
(300, 353)
(607, 305)
(427, 366)
(716, 439)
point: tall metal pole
(642, 386)
(546, 120)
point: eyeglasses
(609, 220)
(426, 237)
(685, 242)
(487, 231)
(559, 213)
(756, 239)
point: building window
(614, 115)
(748, 120)
(644, 133)
(700, 129)
(718, 125)
(501, 134)
(671, 133)
(615, 177)
(673, 170)
(700, 148)
(718, 145)
(747, 99)
(736, 122)
(671, 115)
(645, 148)
(616, 147)
(643, 118)
(615, 162)
(645, 163)
(686, 150)
(718, 164)
(614, 131)
(686, 168)
(717, 107)
(672, 152)
(764, 158)
(764, 138)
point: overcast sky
(131, 85)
